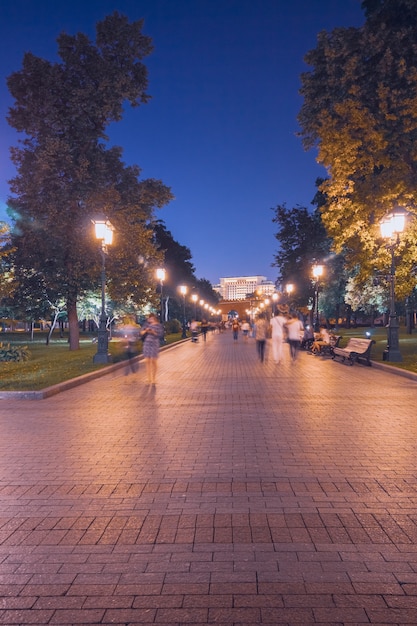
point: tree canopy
(302, 240)
(360, 112)
(180, 270)
(66, 175)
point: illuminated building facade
(240, 287)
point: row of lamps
(391, 227)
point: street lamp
(194, 298)
(289, 288)
(317, 273)
(104, 233)
(393, 225)
(183, 291)
(160, 274)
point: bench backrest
(359, 345)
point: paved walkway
(235, 493)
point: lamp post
(289, 288)
(183, 291)
(391, 226)
(194, 298)
(160, 274)
(317, 273)
(104, 233)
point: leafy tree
(302, 240)
(7, 277)
(65, 173)
(178, 264)
(206, 292)
(177, 260)
(30, 300)
(360, 111)
(370, 299)
(369, 6)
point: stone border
(395, 370)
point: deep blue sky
(221, 126)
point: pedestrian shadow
(148, 392)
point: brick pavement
(235, 493)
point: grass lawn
(49, 365)
(408, 345)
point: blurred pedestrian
(235, 328)
(278, 335)
(295, 329)
(151, 333)
(130, 332)
(245, 329)
(261, 335)
(204, 328)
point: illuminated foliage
(66, 175)
(360, 112)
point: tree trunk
(348, 316)
(339, 313)
(74, 331)
(52, 327)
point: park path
(233, 493)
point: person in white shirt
(277, 337)
(295, 328)
(323, 339)
(245, 329)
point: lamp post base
(392, 355)
(392, 352)
(102, 355)
(102, 358)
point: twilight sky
(221, 126)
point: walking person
(131, 335)
(278, 333)
(235, 329)
(151, 333)
(204, 328)
(295, 329)
(261, 335)
(131, 354)
(245, 329)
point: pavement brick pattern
(232, 493)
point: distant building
(239, 287)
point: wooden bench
(357, 349)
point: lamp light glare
(104, 231)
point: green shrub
(172, 327)
(13, 353)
